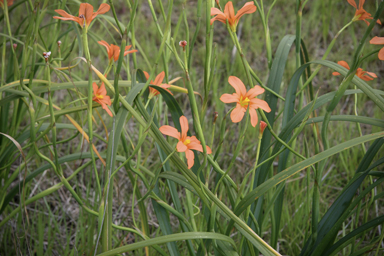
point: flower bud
(46, 55)
(215, 115)
(59, 43)
(183, 43)
(14, 46)
(262, 127)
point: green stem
(323, 58)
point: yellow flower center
(244, 102)
(100, 96)
(187, 141)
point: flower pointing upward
(114, 50)
(365, 75)
(360, 13)
(186, 143)
(101, 97)
(229, 14)
(378, 40)
(86, 14)
(158, 82)
(243, 99)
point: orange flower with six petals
(229, 14)
(365, 75)
(101, 97)
(378, 40)
(86, 14)
(186, 143)
(243, 100)
(158, 82)
(114, 50)
(360, 13)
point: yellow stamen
(100, 96)
(244, 102)
(187, 141)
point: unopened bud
(262, 127)
(183, 43)
(14, 46)
(218, 3)
(46, 55)
(59, 43)
(215, 115)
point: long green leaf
(167, 239)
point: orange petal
(381, 54)
(238, 85)
(181, 147)
(107, 100)
(209, 151)
(64, 13)
(378, 22)
(190, 158)
(170, 131)
(229, 98)
(254, 117)
(258, 103)
(131, 51)
(237, 114)
(102, 90)
(353, 3)
(222, 18)
(107, 109)
(252, 93)
(165, 87)
(361, 3)
(216, 11)
(82, 9)
(159, 78)
(75, 19)
(247, 8)
(195, 146)
(229, 11)
(336, 73)
(146, 74)
(377, 40)
(372, 74)
(366, 78)
(108, 47)
(116, 52)
(184, 127)
(343, 64)
(102, 9)
(88, 13)
(95, 89)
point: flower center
(100, 96)
(244, 102)
(187, 141)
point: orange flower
(158, 82)
(186, 143)
(86, 14)
(378, 40)
(9, 2)
(229, 14)
(114, 50)
(359, 72)
(101, 97)
(360, 13)
(243, 99)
